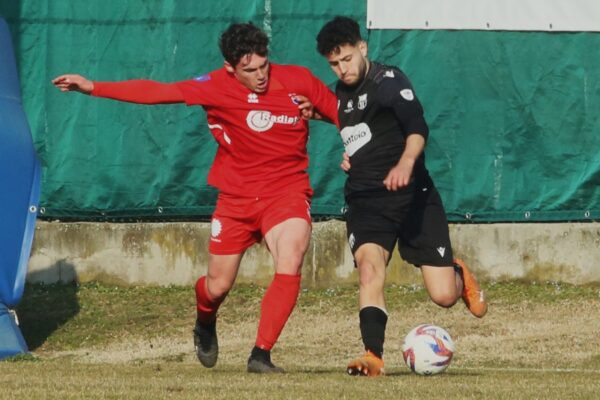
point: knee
(290, 263)
(289, 260)
(218, 288)
(368, 273)
(446, 298)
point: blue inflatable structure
(19, 196)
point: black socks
(372, 329)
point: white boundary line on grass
(539, 370)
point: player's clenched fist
(73, 82)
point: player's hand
(399, 176)
(73, 83)
(307, 109)
(345, 165)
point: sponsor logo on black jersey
(355, 137)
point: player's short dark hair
(242, 39)
(338, 32)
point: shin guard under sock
(277, 305)
(206, 306)
(372, 329)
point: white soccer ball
(428, 349)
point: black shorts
(414, 218)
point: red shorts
(239, 222)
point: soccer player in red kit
(259, 168)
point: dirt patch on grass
(516, 335)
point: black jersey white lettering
(355, 137)
(375, 118)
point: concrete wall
(176, 253)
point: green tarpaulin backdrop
(513, 115)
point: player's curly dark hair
(242, 39)
(337, 32)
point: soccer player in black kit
(390, 195)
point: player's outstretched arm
(73, 83)
(140, 91)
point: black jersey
(375, 118)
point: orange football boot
(472, 294)
(367, 365)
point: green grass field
(538, 341)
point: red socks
(206, 306)
(277, 305)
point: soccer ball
(428, 349)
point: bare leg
(443, 284)
(288, 241)
(371, 261)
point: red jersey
(261, 136)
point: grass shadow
(44, 308)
